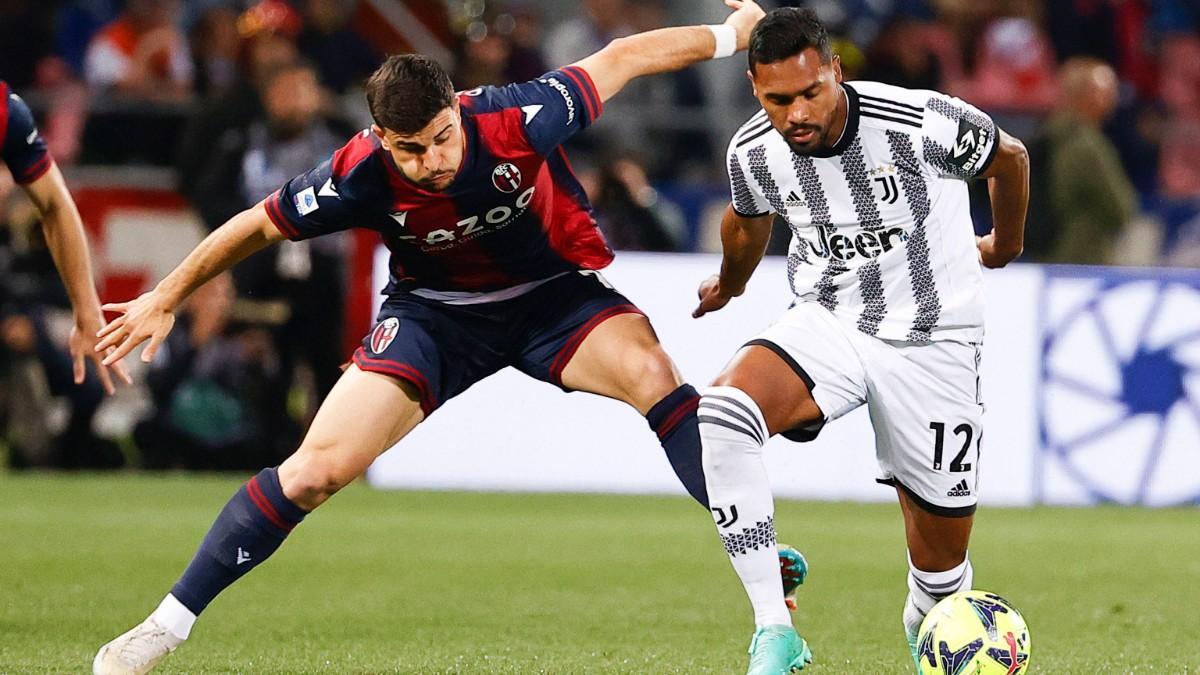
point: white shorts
(923, 397)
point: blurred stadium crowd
(229, 98)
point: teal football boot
(912, 647)
(794, 569)
(922, 648)
(778, 650)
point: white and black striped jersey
(881, 223)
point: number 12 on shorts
(939, 441)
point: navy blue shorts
(443, 349)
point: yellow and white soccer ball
(973, 633)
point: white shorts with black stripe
(923, 397)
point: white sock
(925, 589)
(172, 615)
(732, 433)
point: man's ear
(753, 87)
(378, 131)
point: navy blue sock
(674, 420)
(249, 529)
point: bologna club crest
(506, 177)
(384, 333)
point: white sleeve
(746, 199)
(958, 139)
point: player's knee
(725, 379)
(312, 476)
(649, 377)
(730, 427)
(313, 487)
(782, 408)
(743, 382)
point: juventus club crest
(885, 177)
(384, 333)
(506, 177)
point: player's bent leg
(622, 359)
(781, 395)
(254, 523)
(334, 453)
(938, 565)
(756, 396)
(924, 401)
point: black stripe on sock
(739, 404)
(941, 587)
(939, 596)
(721, 422)
(932, 588)
(735, 415)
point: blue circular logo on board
(1119, 391)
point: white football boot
(137, 651)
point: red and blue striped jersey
(514, 213)
(22, 148)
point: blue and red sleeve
(586, 89)
(21, 146)
(554, 107)
(322, 200)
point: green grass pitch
(427, 582)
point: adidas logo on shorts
(960, 490)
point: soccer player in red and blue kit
(24, 152)
(494, 259)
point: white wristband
(726, 37)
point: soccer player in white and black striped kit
(885, 267)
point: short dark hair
(407, 92)
(785, 32)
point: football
(973, 633)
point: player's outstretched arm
(1008, 185)
(68, 246)
(152, 314)
(668, 49)
(744, 241)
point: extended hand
(82, 345)
(146, 318)
(711, 297)
(745, 16)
